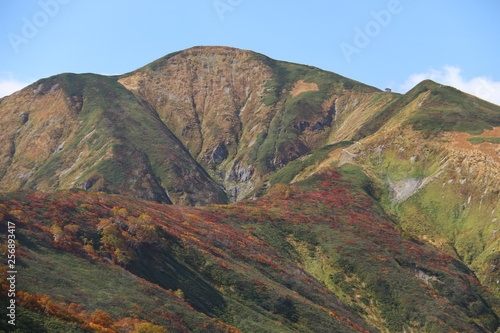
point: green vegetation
(449, 109)
(292, 169)
(287, 73)
(480, 139)
(381, 117)
(281, 143)
(450, 202)
(94, 284)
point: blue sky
(384, 43)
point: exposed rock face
(211, 98)
(205, 96)
(238, 180)
(219, 154)
(402, 189)
(421, 275)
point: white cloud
(482, 87)
(9, 86)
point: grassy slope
(456, 205)
(134, 152)
(442, 108)
(448, 109)
(319, 256)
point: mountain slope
(239, 114)
(242, 114)
(365, 211)
(87, 131)
(442, 174)
(319, 256)
(435, 161)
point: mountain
(323, 204)
(88, 131)
(190, 128)
(436, 162)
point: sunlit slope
(203, 125)
(435, 162)
(87, 131)
(318, 256)
(243, 115)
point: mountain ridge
(234, 103)
(233, 192)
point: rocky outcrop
(403, 189)
(238, 180)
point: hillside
(87, 131)
(435, 166)
(318, 256)
(218, 190)
(204, 125)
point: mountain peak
(200, 51)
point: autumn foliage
(254, 251)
